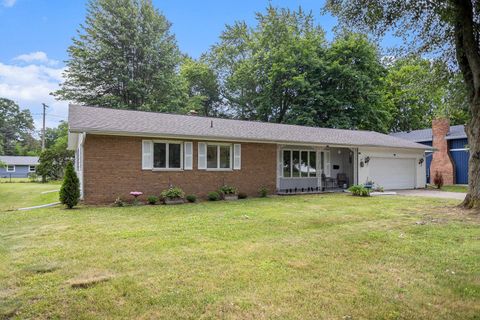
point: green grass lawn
(26, 194)
(302, 257)
(452, 188)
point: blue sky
(35, 35)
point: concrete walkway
(39, 207)
(432, 194)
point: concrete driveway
(432, 194)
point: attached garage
(393, 173)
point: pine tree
(70, 190)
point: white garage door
(393, 173)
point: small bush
(173, 193)
(191, 198)
(242, 195)
(359, 190)
(378, 189)
(70, 190)
(263, 191)
(33, 177)
(152, 200)
(118, 202)
(228, 190)
(213, 196)
(438, 180)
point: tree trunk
(468, 58)
(472, 200)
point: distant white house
(18, 166)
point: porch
(308, 170)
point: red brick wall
(113, 168)
(441, 160)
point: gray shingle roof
(19, 160)
(128, 122)
(456, 132)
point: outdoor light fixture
(367, 159)
(420, 161)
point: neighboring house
(451, 155)
(18, 166)
(118, 151)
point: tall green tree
(16, 130)
(202, 87)
(353, 85)
(55, 157)
(449, 28)
(124, 56)
(283, 70)
(416, 88)
(420, 90)
(263, 69)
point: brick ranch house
(118, 151)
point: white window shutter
(202, 156)
(188, 157)
(237, 156)
(147, 155)
(327, 163)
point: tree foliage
(420, 90)
(55, 157)
(450, 29)
(202, 87)
(123, 57)
(16, 130)
(283, 70)
(70, 189)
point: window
(299, 163)
(10, 168)
(167, 155)
(219, 156)
(31, 168)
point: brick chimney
(441, 160)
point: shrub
(438, 180)
(191, 198)
(118, 202)
(378, 189)
(152, 200)
(225, 189)
(213, 196)
(359, 190)
(173, 193)
(33, 177)
(242, 195)
(70, 190)
(263, 191)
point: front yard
(299, 257)
(27, 194)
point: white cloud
(8, 3)
(38, 56)
(30, 85)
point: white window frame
(300, 155)
(11, 165)
(30, 168)
(167, 146)
(218, 145)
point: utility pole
(43, 129)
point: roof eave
(226, 138)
